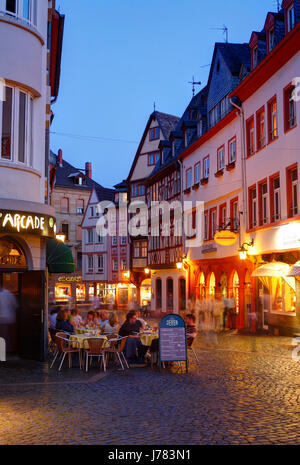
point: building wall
(164, 274)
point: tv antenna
(225, 31)
(195, 83)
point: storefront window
(123, 295)
(80, 292)
(282, 295)
(212, 286)
(63, 292)
(146, 292)
(106, 293)
(235, 288)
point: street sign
(225, 237)
(172, 339)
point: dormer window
(200, 128)
(173, 148)
(185, 138)
(271, 39)
(78, 181)
(255, 57)
(290, 18)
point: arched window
(202, 286)
(158, 293)
(182, 294)
(223, 282)
(170, 294)
(235, 290)
(212, 286)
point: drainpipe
(181, 200)
(239, 106)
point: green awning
(59, 257)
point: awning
(295, 270)
(275, 270)
(59, 257)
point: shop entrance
(9, 310)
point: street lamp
(146, 270)
(179, 265)
(61, 237)
(244, 249)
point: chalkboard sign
(172, 339)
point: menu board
(172, 339)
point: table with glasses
(82, 339)
(147, 337)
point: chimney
(60, 158)
(88, 169)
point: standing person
(191, 331)
(52, 317)
(8, 306)
(225, 313)
(232, 312)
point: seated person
(90, 322)
(103, 319)
(134, 349)
(143, 322)
(97, 318)
(62, 323)
(76, 318)
(191, 331)
(112, 327)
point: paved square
(245, 391)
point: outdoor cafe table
(147, 338)
(83, 343)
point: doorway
(264, 302)
(10, 285)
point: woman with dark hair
(134, 349)
(62, 323)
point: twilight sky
(120, 56)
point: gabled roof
(66, 173)
(166, 123)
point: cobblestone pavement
(246, 390)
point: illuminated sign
(11, 256)
(225, 237)
(70, 279)
(26, 222)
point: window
(135, 191)
(140, 249)
(232, 150)
(260, 128)
(65, 231)
(25, 10)
(153, 158)
(114, 240)
(223, 107)
(158, 287)
(289, 107)
(79, 261)
(222, 217)
(64, 205)
(272, 119)
(124, 264)
(234, 214)
(205, 238)
(250, 136)
(170, 294)
(90, 263)
(115, 265)
(276, 199)
(206, 167)
(123, 240)
(92, 211)
(90, 236)
(271, 42)
(154, 133)
(99, 238)
(16, 124)
(214, 116)
(292, 190)
(100, 263)
(80, 206)
(188, 178)
(197, 173)
(141, 190)
(6, 139)
(294, 175)
(221, 158)
(253, 208)
(290, 18)
(263, 191)
(213, 223)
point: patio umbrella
(276, 270)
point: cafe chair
(190, 349)
(95, 349)
(64, 347)
(116, 347)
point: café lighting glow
(147, 271)
(244, 249)
(60, 237)
(179, 265)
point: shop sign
(225, 237)
(12, 221)
(11, 256)
(69, 279)
(172, 339)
